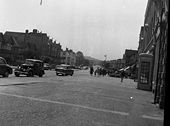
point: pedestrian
(97, 71)
(104, 72)
(122, 75)
(91, 70)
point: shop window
(144, 76)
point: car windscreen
(29, 62)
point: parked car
(30, 68)
(5, 69)
(64, 70)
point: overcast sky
(95, 27)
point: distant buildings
(68, 57)
(130, 57)
(120, 63)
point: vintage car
(64, 70)
(30, 68)
(5, 69)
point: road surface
(78, 100)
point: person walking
(97, 71)
(91, 70)
(122, 75)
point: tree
(79, 58)
(86, 62)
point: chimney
(35, 31)
(26, 31)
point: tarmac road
(78, 100)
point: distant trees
(80, 60)
(86, 62)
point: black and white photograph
(83, 62)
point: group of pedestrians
(102, 72)
(98, 72)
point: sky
(94, 27)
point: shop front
(145, 72)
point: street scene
(83, 62)
(78, 100)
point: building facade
(120, 63)
(5, 49)
(33, 44)
(153, 41)
(68, 57)
(130, 57)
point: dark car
(5, 69)
(30, 68)
(64, 70)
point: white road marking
(68, 104)
(153, 117)
(18, 83)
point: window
(144, 76)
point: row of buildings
(129, 63)
(152, 50)
(150, 59)
(15, 47)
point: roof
(35, 60)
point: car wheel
(6, 74)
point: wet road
(78, 100)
